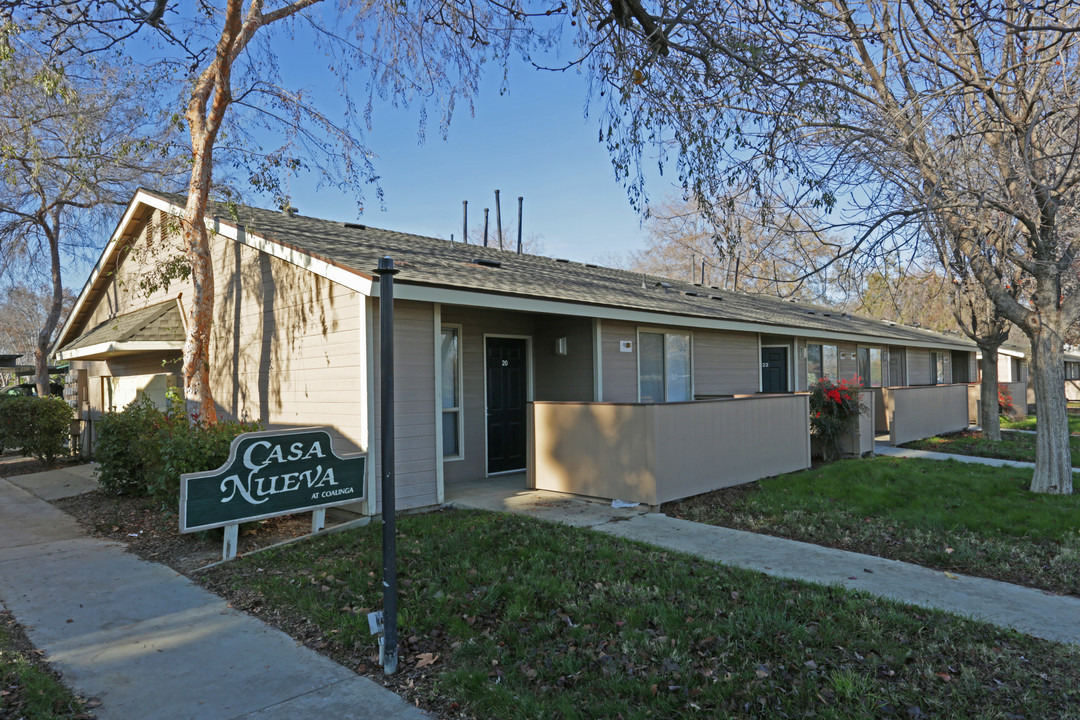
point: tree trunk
(1053, 456)
(197, 392)
(988, 394)
(44, 338)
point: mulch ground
(153, 534)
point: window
(871, 369)
(937, 368)
(664, 367)
(450, 356)
(821, 361)
(1072, 371)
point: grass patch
(1013, 446)
(967, 518)
(28, 689)
(508, 617)
(1029, 423)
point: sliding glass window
(664, 367)
(822, 361)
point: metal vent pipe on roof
(520, 200)
(498, 218)
(465, 221)
(485, 226)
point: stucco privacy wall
(920, 412)
(655, 453)
(414, 404)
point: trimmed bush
(143, 450)
(39, 427)
(127, 447)
(187, 447)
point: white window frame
(664, 331)
(460, 409)
(883, 364)
(822, 344)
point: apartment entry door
(774, 370)
(507, 388)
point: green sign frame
(272, 473)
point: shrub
(1005, 401)
(834, 411)
(127, 447)
(39, 427)
(192, 447)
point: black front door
(506, 397)
(774, 370)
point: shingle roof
(160, 322)
(430, 261)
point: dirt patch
(12, 464)
(13, 701)
(153, 533)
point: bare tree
(23, 312)
(225, 65)
(884, 113)
(72, 149)
(737, 247)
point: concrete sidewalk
(1038, 613)
(148, 642)
(883, 448)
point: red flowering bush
(834, 411)
(1005, 401)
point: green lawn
(27, 691)
(1013, 446)
(508, 617)
(1028, 423)
(961, 517)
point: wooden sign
(269, 474)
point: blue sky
(533, 141)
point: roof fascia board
(141, 198)
(449, 296)
(112, 347)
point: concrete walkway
(144, 639)
(883, 448)
(1034, 612)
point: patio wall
(1072, 389)
(656, 453)
(920, 412)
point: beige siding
(918, 366)
(725, 363)
(286, 345)
(475, 323)
(849, 362)
(414, 405)
(897, 365)
(620, 368)
(656, 453)
(563, 377)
